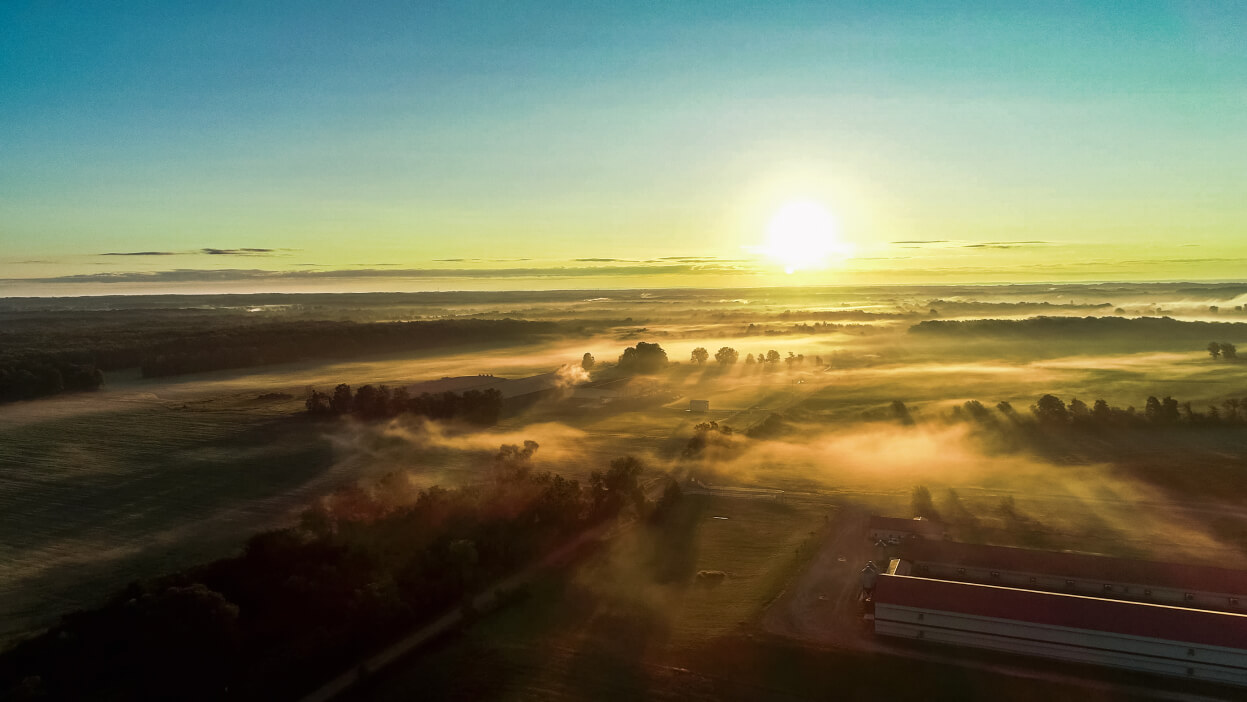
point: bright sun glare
(802, 235)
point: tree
(1152, 411)
(1006, 408)
(772, 356)
(726, 356)
(700, 355)
(643, 358)
(341, 402)
(976, 411)
(619, 486)
(367, 400)
(587, 361)
(482, 407)
(400, 400)
(901, 413)
(671, 495)
(1051, 410)
(1078, 411)
(1100, 412)
(1229, 351)
(317, 403)
(514, 463)
(1231, 409)
(1214, 350)
(749, 360)
(1169, 410)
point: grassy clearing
(607, 629)
(756, 543)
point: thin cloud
(140, 253)
(207, 250)
(195, 275)
(1005, 244)
(237, 252)
(922, 241)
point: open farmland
(150, 476)
(614, 628)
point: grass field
(610, 627)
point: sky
(231, 146)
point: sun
(803, 235)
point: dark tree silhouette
(618, 487)
(1101, 412)
(341, 402)
(726, 356)
(700, 356)
(1151, 410)
(643, 358)
(1214, 350)
(366, 401)
(1229, 351)
(317, 403)
(749, 360)
(772, 356)
(1051, 410)
(1169, 410)
(587, 361)
(1078, 411)
(1006, 408)
(901, 413)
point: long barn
(1156, 638)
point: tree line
(284, 342)
(728, 356)
(73, 355)
(1051, 411)
(482, 407)
(38, 377)
(645, 358)
(1222, 349)
(362, 567)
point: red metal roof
(1056, 609)
(1081, 565)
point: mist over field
(150, 474)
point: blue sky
(346, 135)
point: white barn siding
(1165, 657)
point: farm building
(1143, 636)
(1195, 586)
(900, 529)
